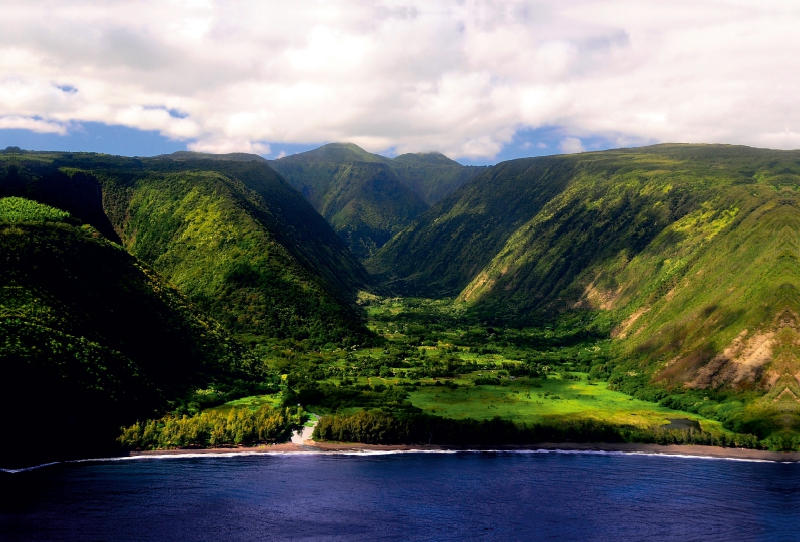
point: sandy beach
(310, 446)
(301, 443)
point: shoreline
(311, 447)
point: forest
(267, 425)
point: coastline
(310, 447)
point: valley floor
(436, 364)
(447, 364)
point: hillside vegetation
(369, 198)
(643, 294)
(691, 251)
(232, 235)
(90, 337)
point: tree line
(207, 429)
(383, 427)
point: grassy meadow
(547, 400)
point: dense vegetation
(24, 210)
(231, 235)
(369, 198)
(266, 425)
(690, 250)
(87, 332)
(380, 427)
(441, 366)
(636, 295)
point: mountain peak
(426, 158)
(335, 152)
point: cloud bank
(461, 77)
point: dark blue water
(465, 496)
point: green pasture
(551, 399)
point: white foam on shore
(642, 453)
(368, 453)
(26, 469)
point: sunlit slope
(73, 191)
(692, 250)
(232, 235)
(87, 332)
(721, 312)
(532, 234)
(368, 198)
(245, 246)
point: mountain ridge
(281, 255)
(366, 197)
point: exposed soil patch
(481, 283)
(621, 331)
(598, 299)
(741, 361)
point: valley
(637, 295)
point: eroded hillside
(691, 250)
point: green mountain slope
(447, 246)
(232, 235)
(432, 176)
(88, 332)
(368, 198)
(692, 250)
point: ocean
(526, 495)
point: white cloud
(570, 145)
(456, 76)
(34, 125)
(230, 145)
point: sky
(480, 81)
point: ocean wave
(374, 453)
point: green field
(547, 400)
